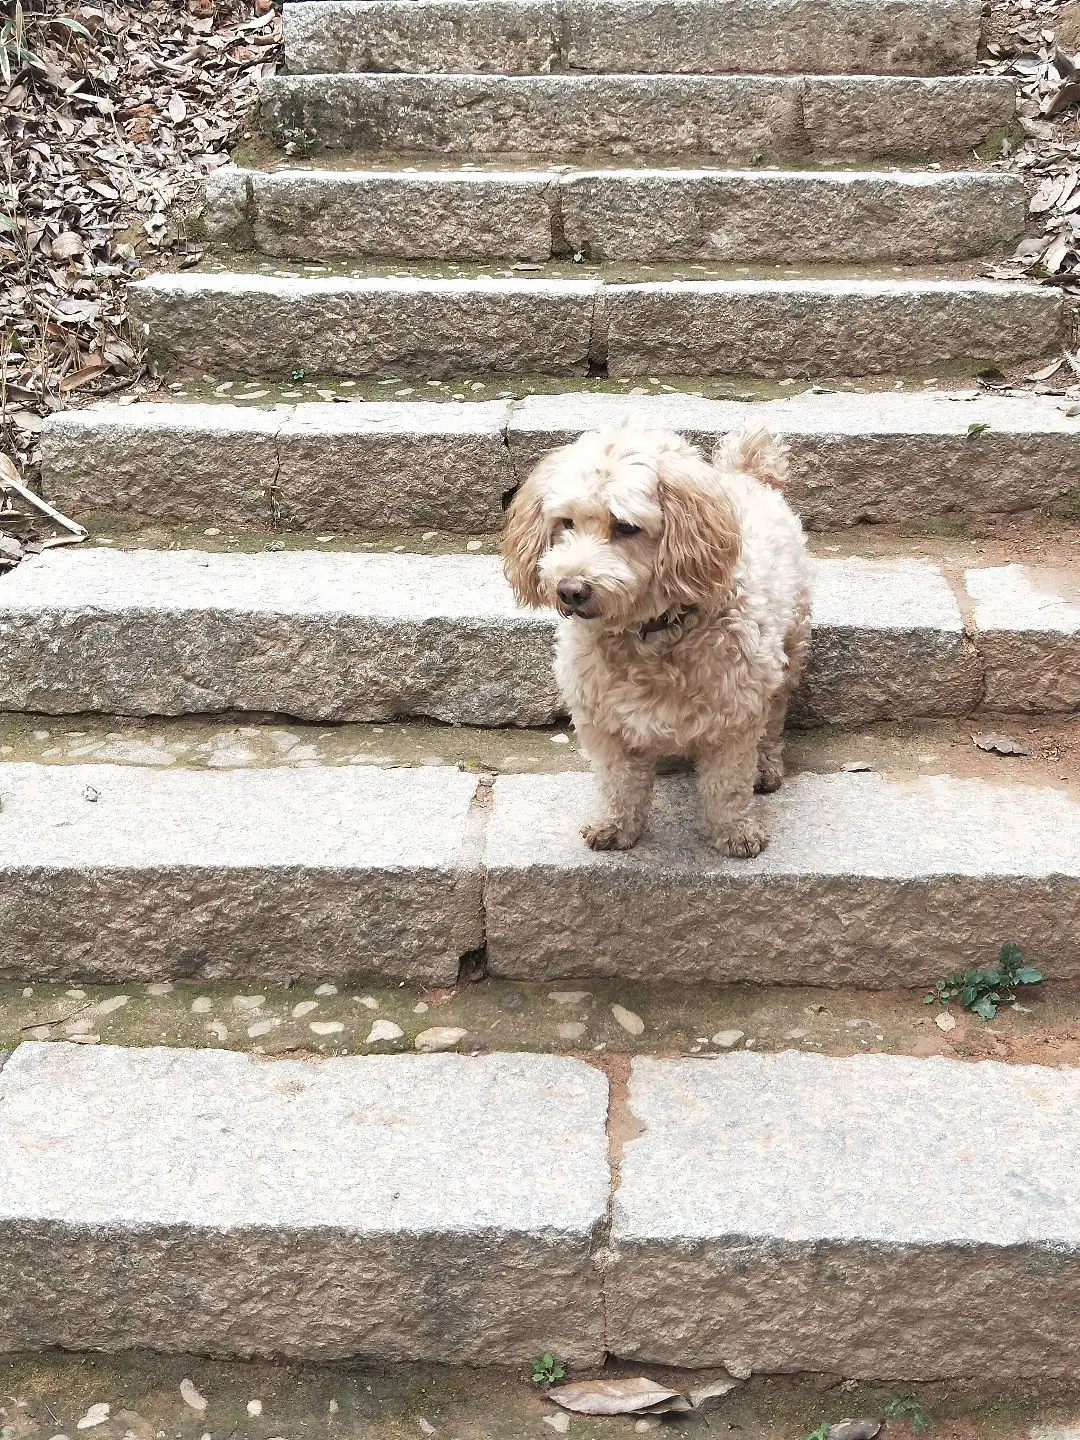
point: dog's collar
(671, 620)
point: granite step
(362, 636)
(471, 1199)
(788, 217)
(212, 1203)
(119, 874)
(856, 457)
(742, 118)
(521, 37)
(265, 325)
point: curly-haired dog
(684, 589)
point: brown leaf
(78, 378)
(633, 1396)
(1000, 744)
(66, 246)
(1061, 99)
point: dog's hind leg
(726, 789)
(625, 779)
(770, 760)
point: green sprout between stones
(821, 1433)
(546, 1368)
(982, 991)
(909, 1409)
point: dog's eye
(624, 530)
(565, 524)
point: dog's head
(621, 526)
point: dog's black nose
(574, 593)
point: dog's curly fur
(684, 588)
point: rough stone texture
(174, 462)
(788, 217)
(654, 36)
(313, 635)
(1027, 632)
(775, 328)
(263, 325)
(539, 114)
(889, 644)
(508, 37)
(864, 882)
(855, 458)
(236, 874)
(736, 116)
(908, 118)
(435, 1208)
(781, 36)
(640, 215)
(226, 216)
(383, 466)
(944, 1190)
(369, 637)
(440, 214)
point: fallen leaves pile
(111, 116)
(1034, 44)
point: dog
(684, 592)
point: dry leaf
(1048, 370)
(945, 1021)
(191, 1396)
(78, 378)
(634, 1396)
(1000, 744)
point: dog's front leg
(726, 776)
(625, 779)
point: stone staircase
(521, 201)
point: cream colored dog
(684, 589)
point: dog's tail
(758, 453)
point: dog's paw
(743, 841)
(770, 776)
(608, 836)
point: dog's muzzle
(575, 597)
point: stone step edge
(547, 227)
(565, 327)
(568, 36)
(857, 457)
(892, 638)
(891, 883)
(493, 1207)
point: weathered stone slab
(775, 328)
(786, 37)
(627, 36)
(437, 1208)
(370, 466)
(889, 644)
(905, 117)
(786, 217)
(504, 37)
(739, 117)
(864, 882)
(370, 637)
(183, 463)
(538, 114)
(944, 1189)
(437, 214)
(855, 458)
(840, 216)
(115, 874)
(383, 466)
(313, 635)
(265, 325)
(1027, 632)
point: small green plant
(821, 1433)
(298, 375)
(982, 991)
(546, 1368)
(910, 1409)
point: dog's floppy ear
(525, 537)
(700, 541)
